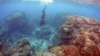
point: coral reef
(83, 33)
(65, 50)
(22, 48)
(78, 36)
(45, 54)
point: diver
(42, 21)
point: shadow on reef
(18, 21)
(77, 36)
(16, 25)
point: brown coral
(82, 32)
(65, 50)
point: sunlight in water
(42, 1)
(46, 1)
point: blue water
(35, 8)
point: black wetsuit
(42, 21)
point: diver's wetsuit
(42, 21)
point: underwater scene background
(60, 28)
